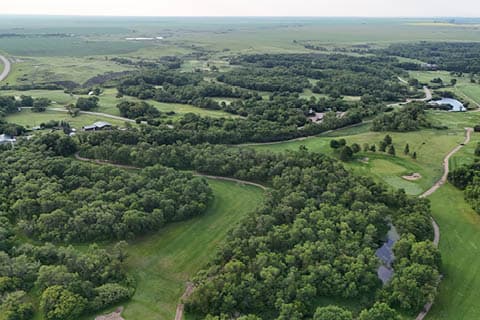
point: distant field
(52, 69)
(40, 46)
(162, 263)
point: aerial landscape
(222, 160)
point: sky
(362, 8)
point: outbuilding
(5, 138)
(100, 125)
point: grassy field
(162, 263)
(108, 103)
(30, 119)
(37, 70)
(459, 244)
(431, 146)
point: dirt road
(7, 67)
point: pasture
(38, 70)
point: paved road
(6, 69)
(435, 187)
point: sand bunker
(112, 316)
(413, 177)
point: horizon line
(233, 16)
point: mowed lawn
(431, 147)
(460, 248)
(108, 103)
(30, 119)
(162, 263)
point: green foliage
(451, 56)
(40, 104)
(332, 313)
(105, 203)
(467, 178)
(133, 110)
(58, 303)
(379, 311)
(411, 117)
(14, 306)
(87, 104)
(391, 150)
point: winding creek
(385, 254)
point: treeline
(315, 236)
(68, 282)
(134, 110)
(336, 74)
(411, 117)
(467, 178)
(59, 199)
(273, 80)
(196, 130)
(451, 56)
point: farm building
(4, 139)
(100, 125)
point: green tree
(388, 140)
(383, 146)
(407, 149)
(334, 144)
(391, 150)
(58, 303)
(414, 155)
(477, 150)
(366, 147)
(379, 311)
(346, 153)
(356, 148)
(373, 148)
(332, 313)
(14, 306)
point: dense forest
(331, 74)
(467, 178)
(48, 197)
(451, 56)
(411, 117)
(315, 236)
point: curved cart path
(99, 114)
(435, 187)
(7, 67)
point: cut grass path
(460, 247)
(162, 263)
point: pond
(456, 105)
(385, 254)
